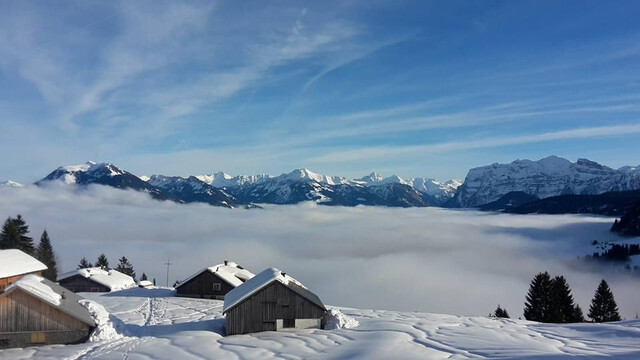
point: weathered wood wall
(79, 283)
(4, 282)
(201, 286)
(23, 312)
(262, 309)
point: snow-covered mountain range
(543, 178)
(220, 189)
(10, 183)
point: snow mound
(336, 319)
(107, 326)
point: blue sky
(345, 88)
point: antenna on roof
(168, 263)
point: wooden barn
(214, 282)
(35, 311)
(272, 301)
(15, 264)
(95, 280)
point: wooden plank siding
(260, 311)
(20, 312)
(4, 282)
(79, 283)
(201, 286)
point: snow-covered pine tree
(84, 264)
(45, 254)
(125, 267)
(102, 262)
(538, 300)
(603, 306)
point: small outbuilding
(15, 264)
(95, 280)
(36, 311)
(214, 282)
(272, 301)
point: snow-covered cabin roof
(145, 283)
(266, 277)
(232, 273)
(112, 279)
(14, 262)
(53, 294)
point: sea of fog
(418, 259)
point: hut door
(269, 316)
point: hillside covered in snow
(153, 324)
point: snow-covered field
(153, 324)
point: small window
(289, 323)
(217, 286)
(38, 338)
(4, 342)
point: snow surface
(232, 273)
(259, 281)
(14, 262)
(33, 285)
(336, 319)
(153, 324)
(112, 279)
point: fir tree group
(102, 262)
(501, 313)
(603, 306)
(15, 235)
(84, 264)
(550, 300)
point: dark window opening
(289, 323)
(4, 342)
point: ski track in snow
(161, 326)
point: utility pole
(168, 263)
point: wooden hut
(272, 301)
(36, 311)
(214, 282)
(15, 264)
(95, 280)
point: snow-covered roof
(266, 277)
(112, 279)
(14, 262)
(232, 273)
(53, 294)
(145, 283)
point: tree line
(15, 235)
(549, 300)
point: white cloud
(435, 260)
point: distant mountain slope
(103, 174)
(629, 223)
(508, 201)
(10, 183)
(547, 177)
(191, 190)
(611, 204)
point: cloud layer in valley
(423, 259)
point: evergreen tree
(102, 261)
(562, 305)
(84, 264)
(26, 242)
(577, 314)
(10, 235)
(125, 267)
(46, 255)
(501, 313)
(538, 301)
(603, 306)
(143, 277)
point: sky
(416, 259)
(412, 88)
